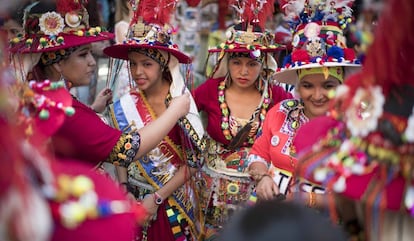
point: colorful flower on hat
(364, 111)
(300, 55)
(51, 23)
(312, 30)
(72, 19)
(335, 52)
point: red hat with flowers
(318, 39)
(365, 149)
(149, 29)
(44, 198)
(249, 34)
(49, 27)
(248, 37)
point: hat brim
(222, 68)
(70, 40)
(290, 75)
(237, 50)
(120, 51)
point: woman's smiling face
(313, 89)
(145, 71)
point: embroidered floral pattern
(51, 23)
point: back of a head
(280, 220)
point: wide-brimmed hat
(365, 149)
(68, 198)
(248, 36)
(49, 27)
(149, 29)
(150, 34)
(318, 39)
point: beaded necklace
(225, 126)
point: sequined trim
(125, 149)
(295, 118)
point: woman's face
(244, 71)
(79, 67)
(313, 89)
(12, 28)
(145, 71)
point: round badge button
(275, 140)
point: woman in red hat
(365, 150)
(235, 99)
(163, 178)
(316, 66)
(48, 198)
(57, 43)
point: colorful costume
(228, 183)
(179, 213)
(87, 142)
(179, 216)
(318, 48)
(49, 198)
(365, 150)
(275, 147)
(51, 37)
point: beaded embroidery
(225, 120)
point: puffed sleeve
(84, 136)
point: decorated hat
(44, 198)
(49, 27)
(318, 39)
(365, 149)
(248, 38)
(45, 106)
(149, 34)
(149, 29)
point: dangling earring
(228, 80)
(259, 84)
(68, 84)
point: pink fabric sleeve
(84, 136)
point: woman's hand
(103, 98)
(152, 208)
(266, 188)
(180, 104)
